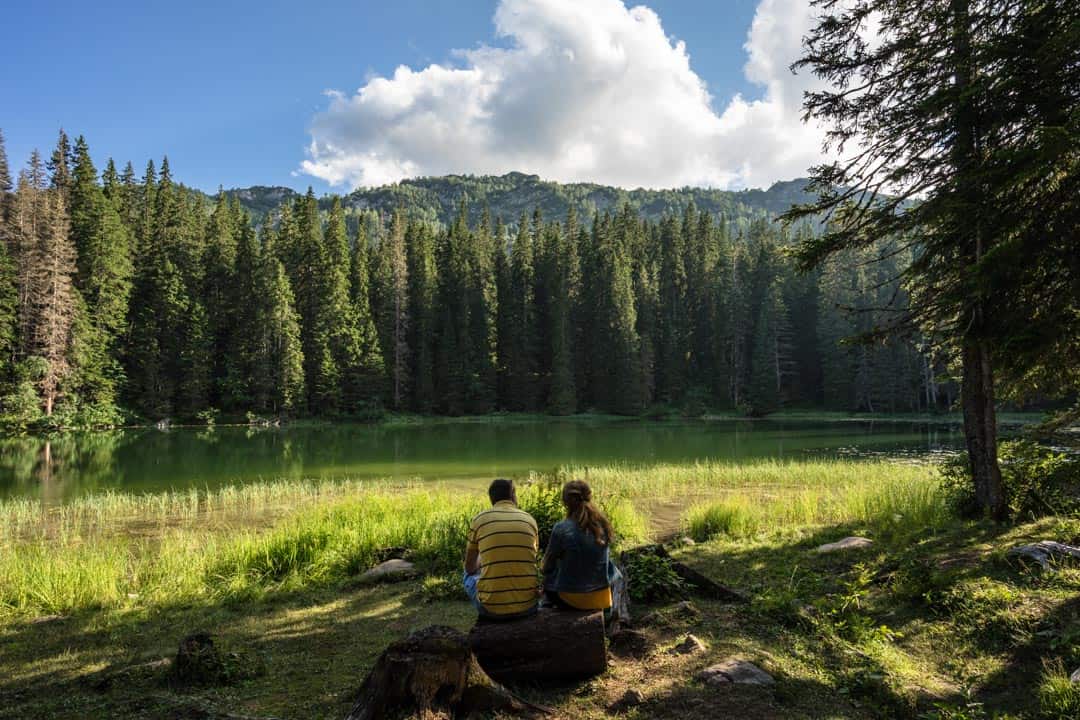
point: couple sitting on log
(500, 558)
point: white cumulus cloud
(586, 90)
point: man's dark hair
(501, 489)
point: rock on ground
(739, 672)
(390, 571)
(1075, 677)
(1045, 552)
(848, 543)
(688, 646)
(630, 699)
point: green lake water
(149, 460)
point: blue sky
(231, 90)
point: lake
(147, 460)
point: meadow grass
(334, 532)
(118, 550)
(894, 500)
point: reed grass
(118, 550)
(897, 501)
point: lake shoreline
(393, 419)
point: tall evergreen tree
(365, 376)
(103, 249)
(953, 118)
(520, 321)
(391, 288)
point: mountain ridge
(508, 196)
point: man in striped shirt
(500, 559)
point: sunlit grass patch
(892, 497)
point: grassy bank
(934, 620)
(119, 551)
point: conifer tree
(345, 333)
(365, 376)
(54, 302)
(219, 299)
(59, 165)
(562, 398)
(452, 352)
(520, 321)
(279, 355)
(104, 280)
(673, 336)
(482, 292)
(391, 288)
(314, 301)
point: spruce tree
(103, 249)
(562, 399)
(219, 298)
(59, 165)
(673, 336)
(482, 293)
(423, 286)
(520, 322)
(278, 357)
(365, 376)
(392, 309)
(54, 301)
(452, 352)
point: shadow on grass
(316, 647)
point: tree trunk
(980, 427)
(433, 673)
(552, 645)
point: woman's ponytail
(577, 496)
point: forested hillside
(445, 295)
(438, 199)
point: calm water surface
(149, 460)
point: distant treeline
(120, 293)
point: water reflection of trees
(60, 466)
(151, 460)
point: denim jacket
(581, 564)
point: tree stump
(432, 673)
(550, 646)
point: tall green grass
(120, 550)
(893, 501)
(319, 544)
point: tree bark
(550, 646)
(980, 427)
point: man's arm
(472, 559)
(472, 553)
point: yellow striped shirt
(507, 540)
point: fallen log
(433, 673)
(702, 586)
(550, 646)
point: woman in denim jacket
(578, 571)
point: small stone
(631, 698)
(688, 646)
(848, 543)
(628, 643)
(389, 571)
(739, 672)
(686, 540)
(1046, 552)
(47, 619)
(1075, 677)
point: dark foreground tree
(933, 114)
